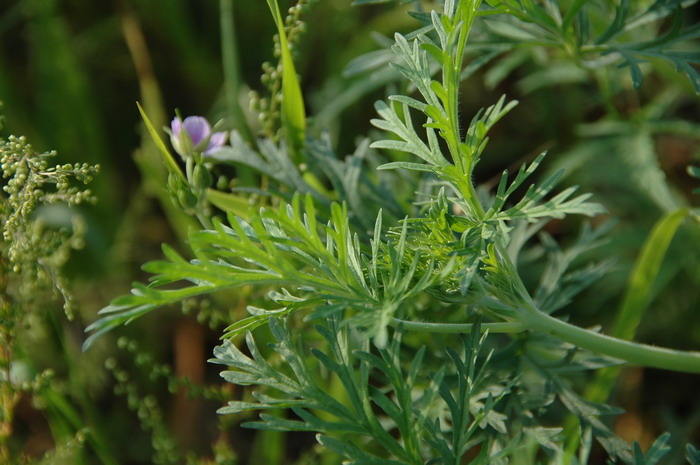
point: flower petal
(216, 141)
(176, 126)
(198, 129)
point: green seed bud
(202, 177)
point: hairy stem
(466, 12)
(535, 320)
(631, 352)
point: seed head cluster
(268, 108)
(32, 182)
(31, 254)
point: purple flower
(194, 135)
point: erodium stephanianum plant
(401, 331)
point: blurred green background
(71, 73)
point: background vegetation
(70, 74)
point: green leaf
(405, 165)
(571, 14)
(403, 128)
(617, 23)
(434, 51)
(589, 413)
(502, 194)
(374, 2)
(170, 162)
(658, 449)
(692, 454)
(635, 53)
(229, 203)
(644, 273)
(531, 208)
(558, 285)
(356, 455)
(694, 172)
(278, 247)
(411, 102)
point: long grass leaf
(638, 295)
(170, 162)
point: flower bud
(187, 199)
(201, 177)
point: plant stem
(535, 320)
(635, 353)
(419, 326)
(465, 13)
(466, 190)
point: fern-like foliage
(324, 266)
(581, 31)
(440, 113)
(585, 32)
(409, 429)
(347, 177)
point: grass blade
(637, 296)
(170, 162)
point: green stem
(474, 201)
(594, 48)
(635, 353)
(631, 352)
(535, 320)
(465, 189)
(466, 12)
(451, 83)
(514, 327)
